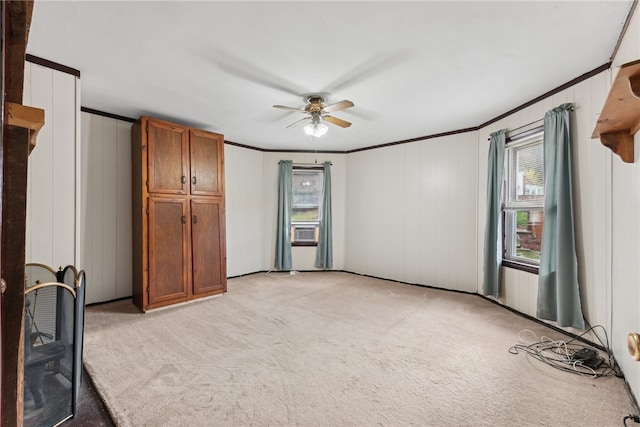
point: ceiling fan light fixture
(316, 129)
(319, 114)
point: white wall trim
(78, 179)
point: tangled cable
(562, 354)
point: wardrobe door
(208, 248)
(168, 250)
(206, 153)
(168, 147)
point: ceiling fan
(318, 113)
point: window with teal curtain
(324, 254)
(493, 226)
(523, 200)
(558, 289)
(307, 191)
(283, 226)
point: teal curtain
(283, 228)
(324, 254)
(558, 290)
(493, 225)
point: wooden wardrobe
(179, 251)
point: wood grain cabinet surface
(178, 213)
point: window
(307, 188)
(524, 199)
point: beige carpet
(334, 349)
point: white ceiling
(412, 68)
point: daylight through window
(524, 199)
(307, 188)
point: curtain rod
(572, 108)
(524, 134)
(524, 126)
(307, 164)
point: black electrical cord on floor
(560, 355)
(605, 346)
(635, 418)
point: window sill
(304, 244)
(520, 266)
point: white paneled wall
(51, 199)
(411, 212)
(106, 252)
(244, 209)
(625, 261)
(592, 201)
(625, 233)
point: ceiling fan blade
(336, 121)
(284, 107)
(342, 105)
(296, 123)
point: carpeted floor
(334, 349)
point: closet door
(206, 153)
(168, 147)
(168, 250)
(208, 248)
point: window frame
(320, 171)
(510, 207)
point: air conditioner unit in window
(304, 233)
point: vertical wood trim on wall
(77, 261)
(609, 239)
(124, 221)
(109, 207)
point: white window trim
(294, 224)
(510, 206)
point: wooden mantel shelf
(25, 117)
(620, 116)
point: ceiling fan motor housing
(315, 104)
(319, 112)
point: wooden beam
(16, 20)
(14, 207)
